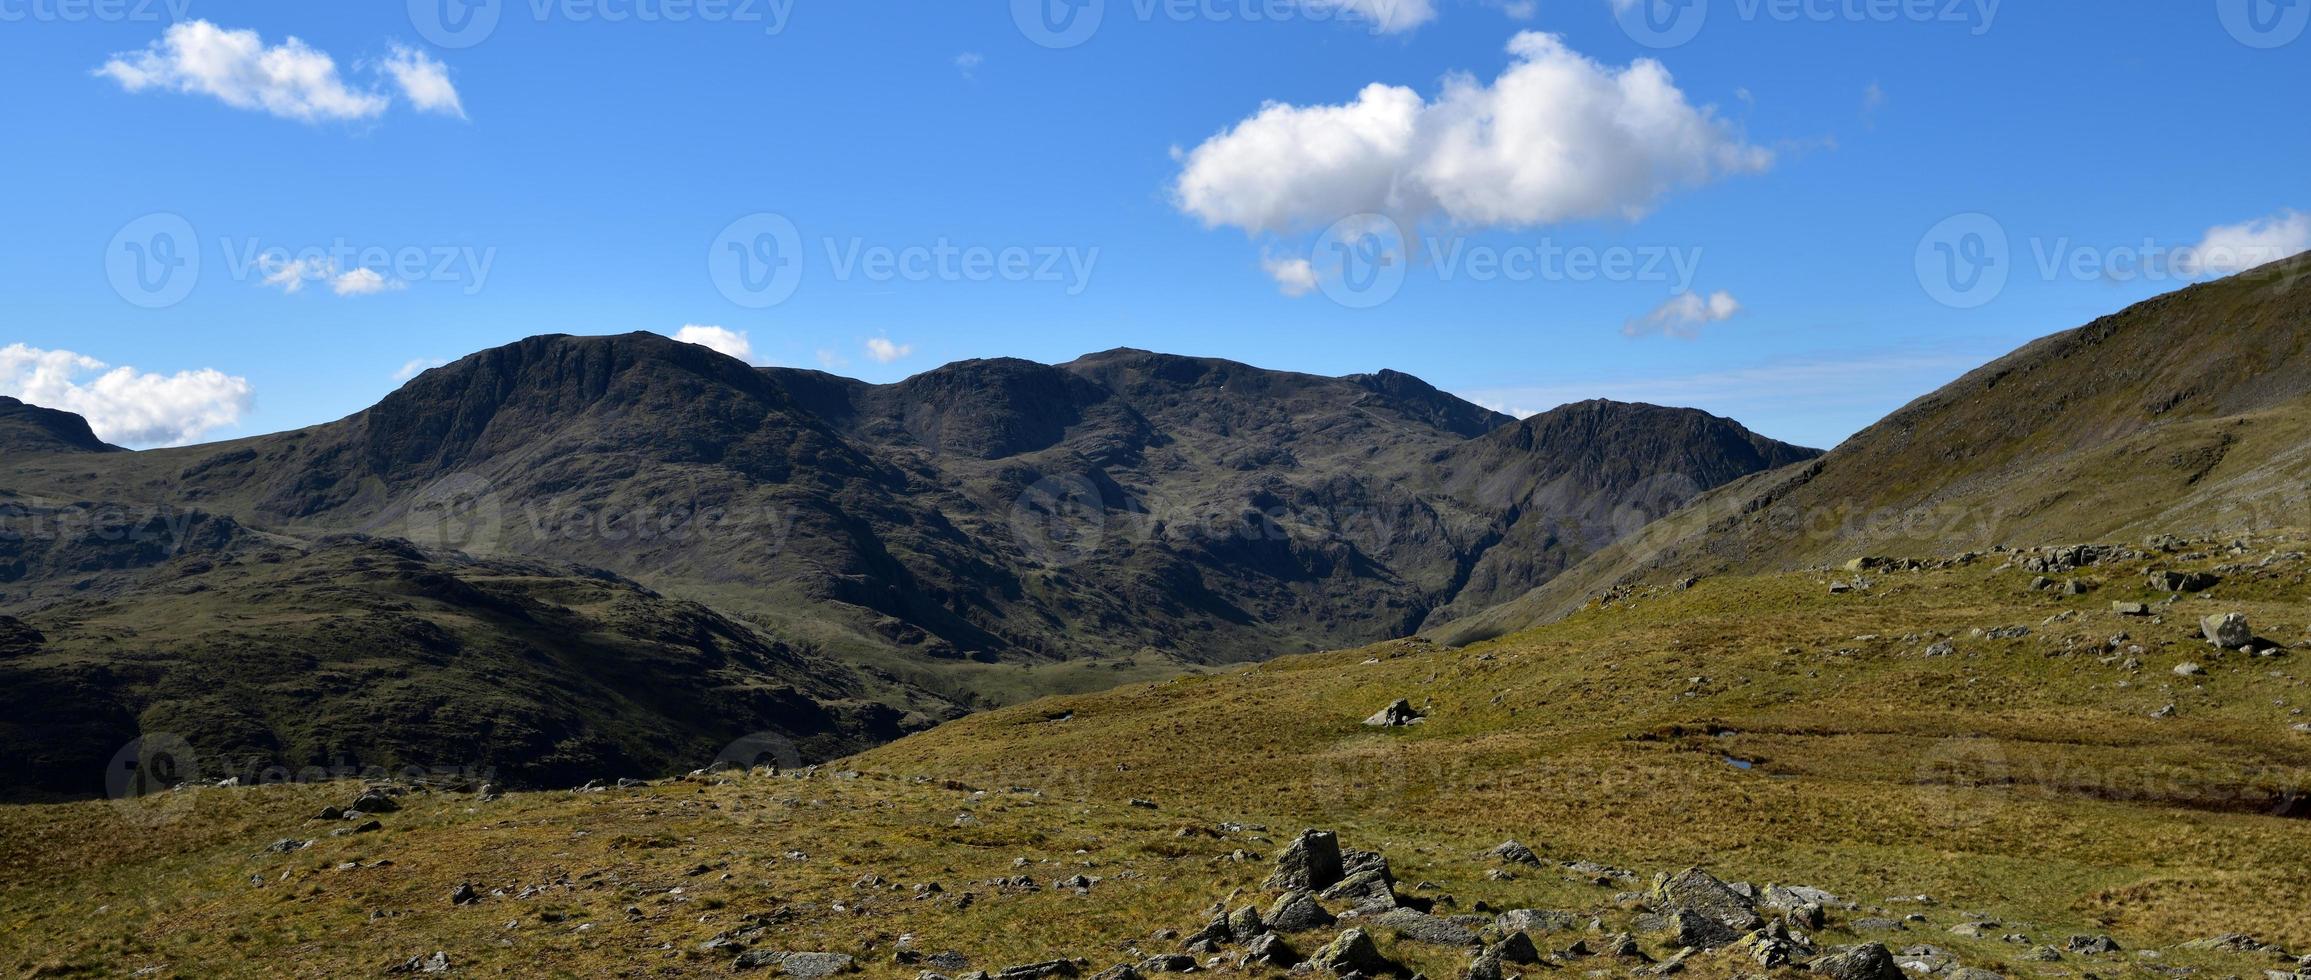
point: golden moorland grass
(2035, 771)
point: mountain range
(979, 534)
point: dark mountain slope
(2187, 413)
(994, 529)
(360, 653)
(29, 429)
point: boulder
(1310, 863)
(815, 966)
(374, 803)
(1245, 925)
(1297, 911)
(1035, 971)
(1869, 961)
(2227, 630)
(1511, 852)
(1706, 912)
(1535, 920)
(1365, 891)
(1269, 949)
(1352, 952)
(1425, 929)
(1397, 715)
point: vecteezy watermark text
(465, 23)
(1670, 23)
(760, 260)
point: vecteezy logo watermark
(1060, 520)
(83, 11)
(349, 269)
(756, 262)
(2265, 24)
(1964, 782)
(455, 23)
(759, 261)
(1058, 23)
(1661, 23)
(1968, 260)
(759, 749)
(155, 261)
(1063, 24)
(465, 23)
(1671, 23)
(459, 512)
(1965, 261)
(142, 775)
(1361, 261)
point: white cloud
(729, 343)
(1873, 99)
(1684, 315)
(124, 405)
(1387, 16)
(292, 79)
(2230, 249)
(1520, 9)
(969, 61)
(291, 275)
(1296, 277)
(417, 366)
(424, 81)
(1557, 137)
(830, 359)
(884, 352)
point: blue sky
(1757, 222)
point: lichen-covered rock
(1310, 863)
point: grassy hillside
(1951, 732)
(2187, 413)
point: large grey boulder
(1310, 863)
(1353, 952)
(1706, 912)
(2227, 630)
(1869, 961)
(1426, 929)
(1297, 911)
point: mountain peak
(27, 429)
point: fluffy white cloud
(1296, 277)
(424, 81)
(969, 62)
(1684, 315)
(292, 79)
(884, 352)
(1557, 137)
(362, 282)
(730, 343)
(2230, 249)
(830, 359)
(291, 275)
(124, 405)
